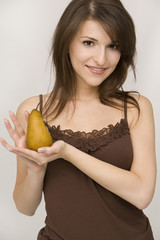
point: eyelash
(113, 46)
(88, 43)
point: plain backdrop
(26, 28)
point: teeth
(97, 69)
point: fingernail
(11, 113)
(10, 150)
(41, 150)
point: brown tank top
(77, 207)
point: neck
(87, 94)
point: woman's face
(93, 55)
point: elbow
(25, 212)
(22, 209)
(142, 205)
(29, 214)
(143, 200)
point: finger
(23, 152)
(25, 155)
(6, 145)
(48, 150)
(17, 124)
(27, 115)
(39, 158)
(11, 131)
(31, 155)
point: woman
(100, 172)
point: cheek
(114, 59)
(77, 57)
(78, 53)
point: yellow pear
(37, 133)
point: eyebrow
(93, 39)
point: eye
(88, 43)
(113, 46)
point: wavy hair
(118, 24)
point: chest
(88, 117)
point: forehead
(93, 29)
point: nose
(100, 56)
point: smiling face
(93, 55)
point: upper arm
(27, 105)
(143, 142)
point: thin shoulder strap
(40, 104)
(125, 108)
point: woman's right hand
(18, 135)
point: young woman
(100, 172)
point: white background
(26, 28)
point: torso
(78, 207)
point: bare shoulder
(142, 100)
(146, 110)
(145, 104)
(28, 105)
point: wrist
(68, 152)
(38, 174)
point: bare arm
(29, 183)
(28, 193)
(137, 185)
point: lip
(96, 70)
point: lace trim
(90, 141)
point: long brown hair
(119, 25)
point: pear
(37, 133)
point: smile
(96, 70)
